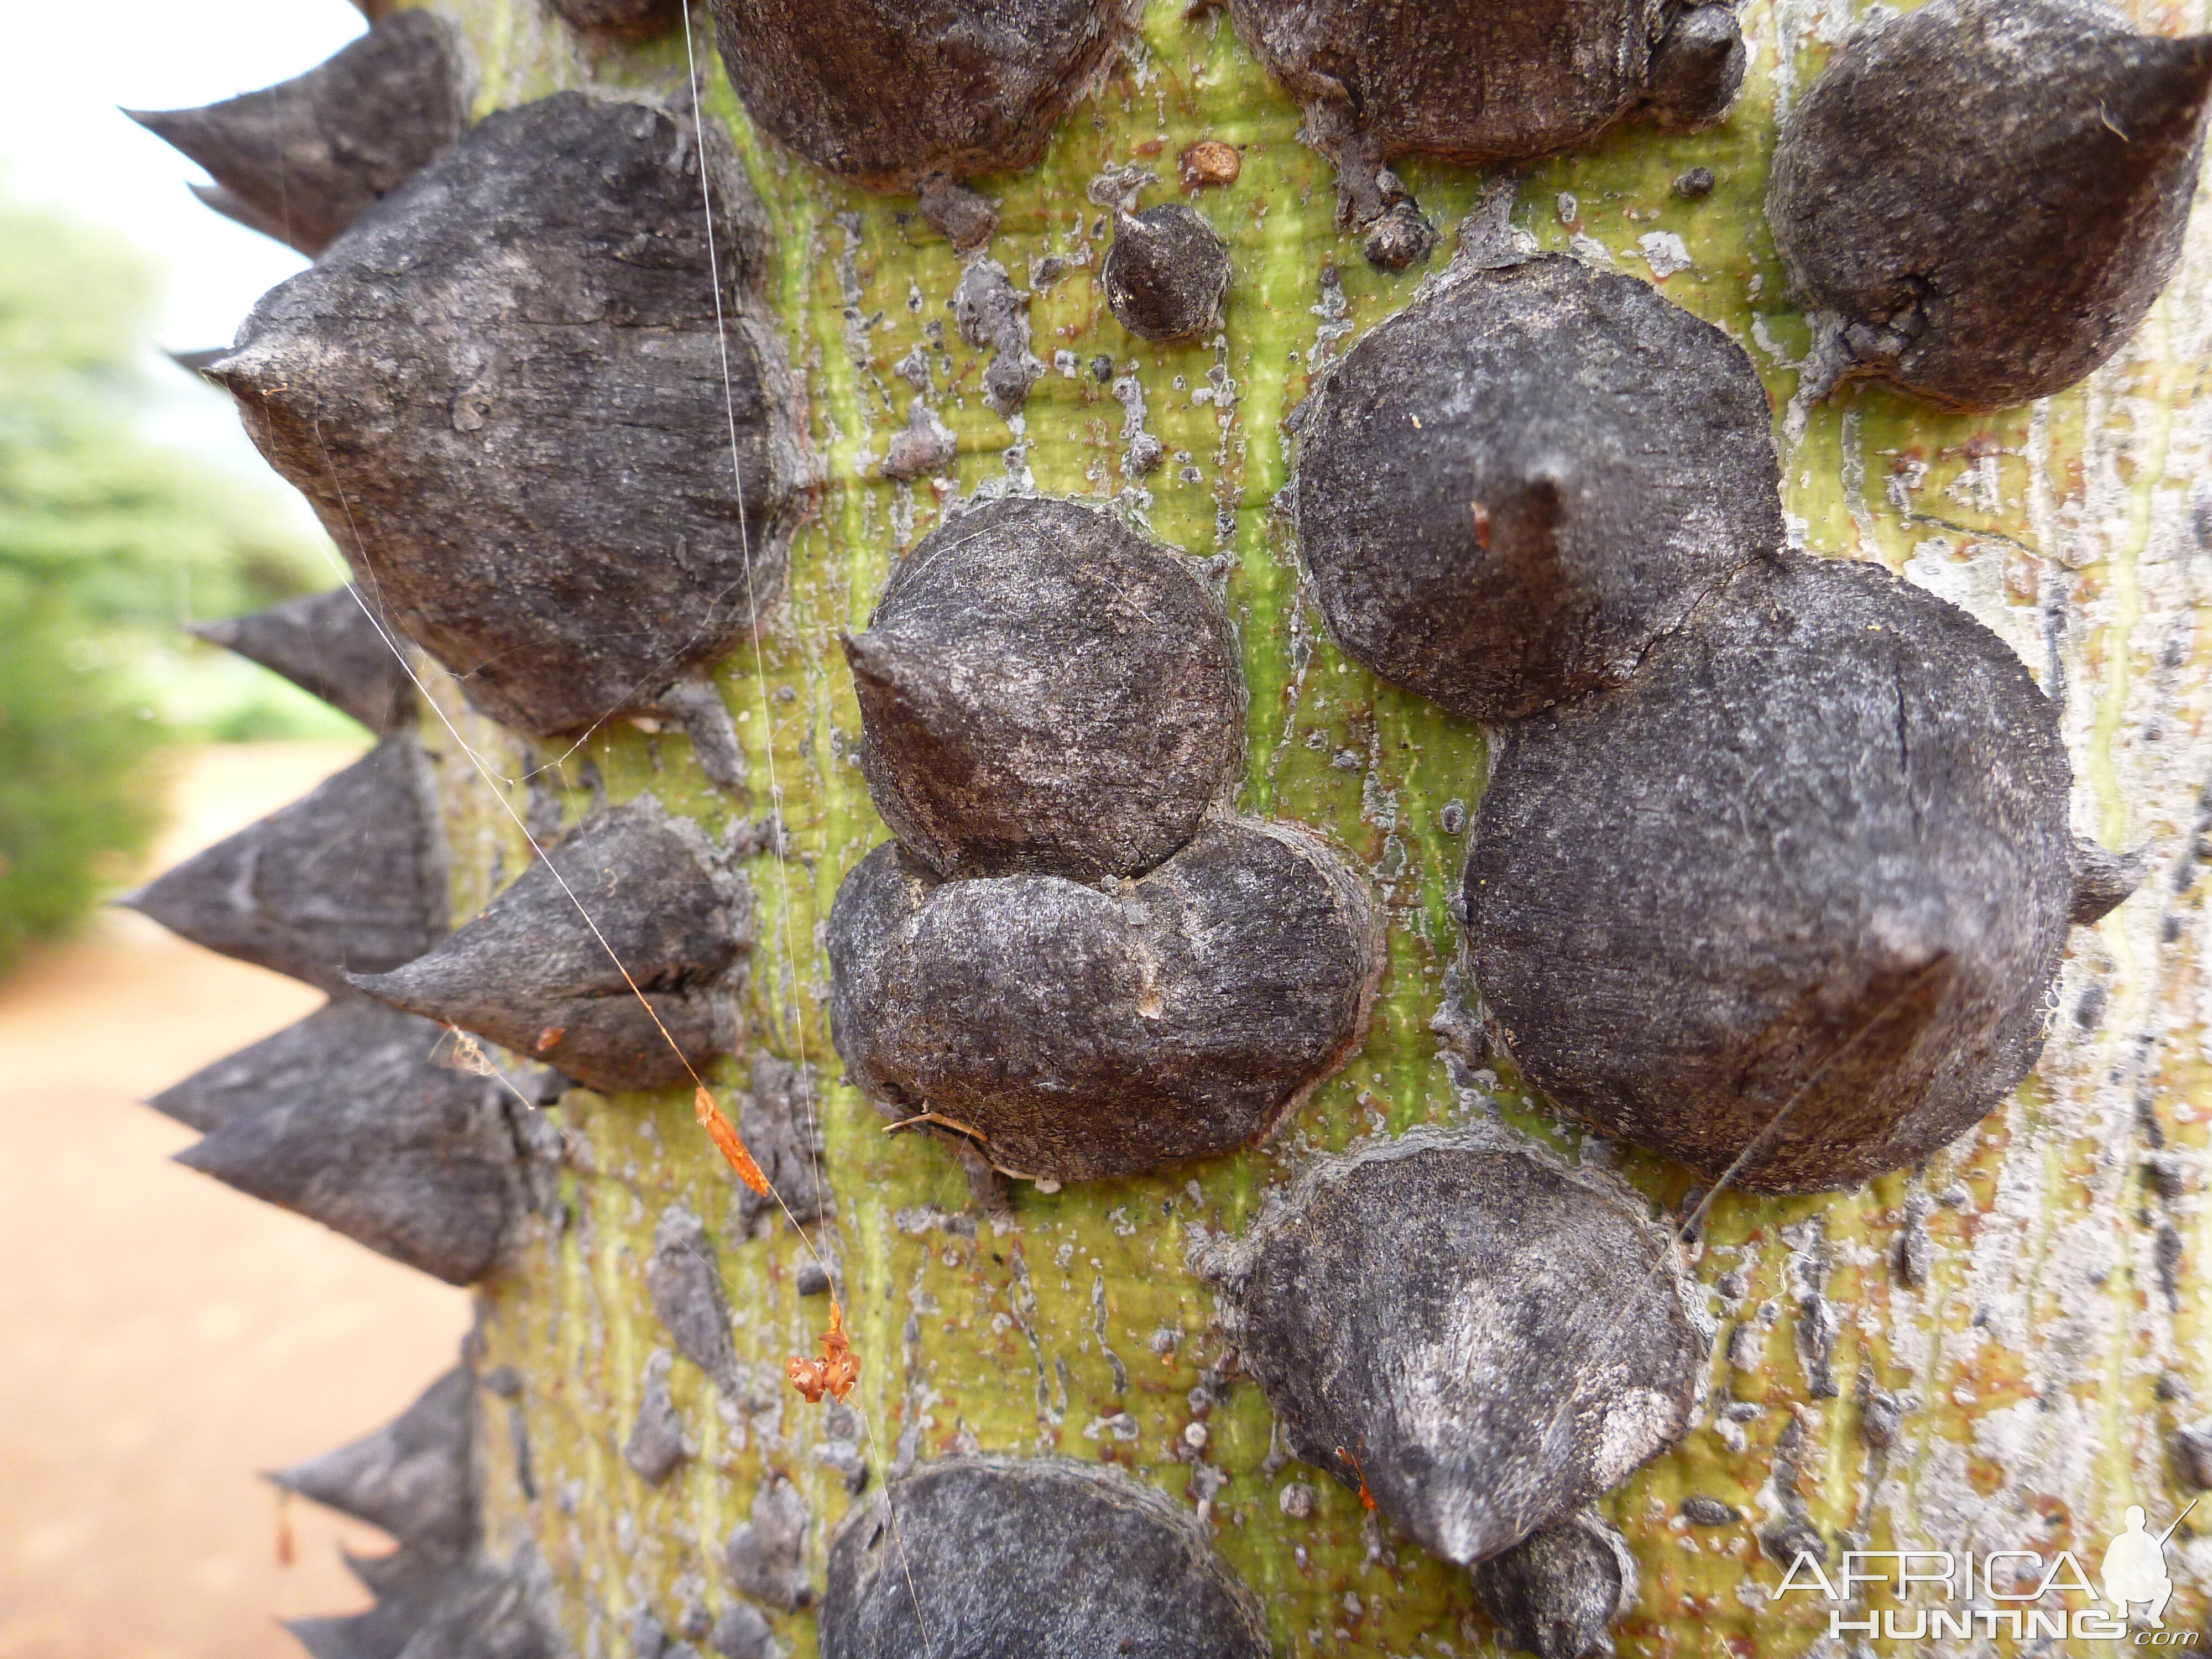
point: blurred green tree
(106, 539)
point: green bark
(2048, 1364)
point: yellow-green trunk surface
(2045, 1364)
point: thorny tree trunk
(2033, 1298)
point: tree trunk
(1994, 1351)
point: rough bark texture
(1995, 1350)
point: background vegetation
(109, 541)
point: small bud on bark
(1166, 273)
(1553, 1593)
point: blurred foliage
(107, 540)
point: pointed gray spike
(300, 1060)
(407, 1585)
(403, 1576)
(301, 160)
(404, 382)
(411, 1477)
(351, 876)
(531, 974)
(327, 644)
(353, 1636)
(434, 1607)
(193, 361)
(486, 1614)
(344, 1118)
(2103, 879)
(236, 209)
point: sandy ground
(162, 1338)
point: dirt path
(161, 1337)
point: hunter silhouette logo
(2135, 1568)
(2009, 1593)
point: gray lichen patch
(990, 311)
(670, 924)
(780, 1114)
(1004, 1559)
(1509, 489)
(327, 645)
(686, 1288)
(1166, 273)
(765, 1555)
(1795, 895)
(1044, 690)
(300, 161)
(349, 879)
(1475, 81)
(503, 393)
(888, 92)
(347, 1118)
(1480, 1338)
(1074, 1031)
(1979, 201)
(656, 1444)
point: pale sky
(70, 67)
